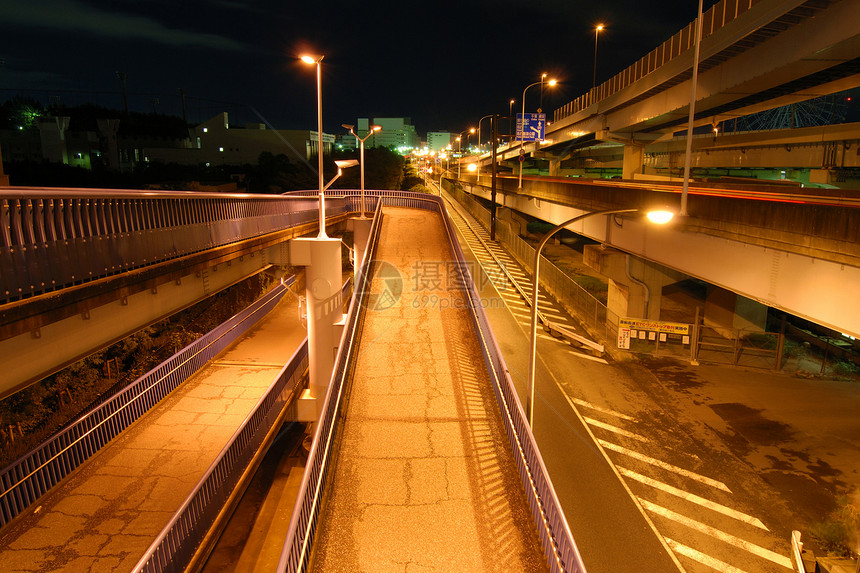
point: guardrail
(56, 238)
(713, 19)
(593, 315)
(28, 478)
(559, 547)
(295, 554)
(178, 542)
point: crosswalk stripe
(706, 560)
(615, 429)
(591, 406)
(669, 467)
(713, 506)
(718, 534)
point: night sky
(444, 64)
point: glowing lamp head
(553, 82)
(472, 167)
(660, 217)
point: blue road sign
(531, 126)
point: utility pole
(493, 122)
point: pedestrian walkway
(423, 479)
(105, 515)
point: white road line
(591, 406)
(675, 469)
(706, 560)
(716, 533)
(615, 429)
(706, 503)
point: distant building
(438, 140)
(396, 133)
(214, 142)
(118, 145)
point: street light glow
(660, 217)
(552, 82)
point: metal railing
(295, 554)
(593, 315)
(179, 541)
(558, 544)
(28, 478)
(715, 18)
(56, 238)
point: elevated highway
(755, 55)
(791, 250)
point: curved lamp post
(540, 83)
(470, 131)
(311, 60)
(658, 217)
(597, 30)
(373, 130)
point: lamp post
(658, 217)
(597, 30)
(510, 117)
(693, 81)
(479, 141)
(318, 61)
(321, 257)
(522, 137)
(460, 147)
(361, 141)
(542, 79)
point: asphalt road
(649, 479)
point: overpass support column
(360, 227)
(635, 285)
(321, 259)
(554, 166)
(633, 160)
(726, 311)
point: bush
(839, 534)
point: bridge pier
(726, 311)
(633, 160)
(635, 285)
(321, 259)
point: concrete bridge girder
(813, 288)
(31, 356)
(816, 44)
(635, 285)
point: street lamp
(510, 117)
(597, 30)
(311, 60)
(373, 130)
(460, 147)
(658, 217)
(480, 150)
(522, 135)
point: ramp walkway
(423, 478)
(105, 515)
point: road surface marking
(713, 506)
(615, 429)
(716, 533)
(706, 560)
(675, 469)
(591, 406)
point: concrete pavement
(105, 514)
(423, 479)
